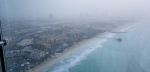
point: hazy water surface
(108, 55)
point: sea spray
(127, 28)
(76, 58)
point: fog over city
(76, 9)
(43, 33)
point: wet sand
(60, 56)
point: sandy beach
(60, 56)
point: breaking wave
(77, 57)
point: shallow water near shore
(132, 54)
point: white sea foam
(127, 28)
(77, 57)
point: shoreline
(60, 56)
(70, 50)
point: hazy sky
(76, 8)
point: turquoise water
(108, 55)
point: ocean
(131, 54)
